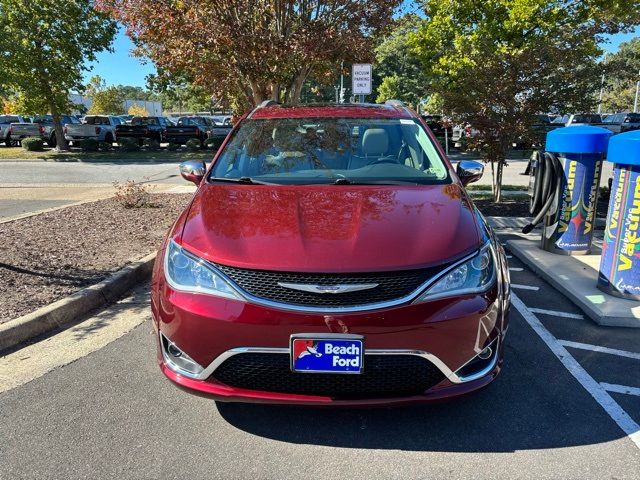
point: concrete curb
(66, 310)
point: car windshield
(332, 150)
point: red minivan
(331, 256)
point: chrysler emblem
(305, 287)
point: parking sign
(361, 79)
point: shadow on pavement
(534, 404)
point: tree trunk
(61, 142)
(295, 90)
(498, 191)
(275, 92)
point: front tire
(53, 141)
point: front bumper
(448, 333)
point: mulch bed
(46, 257)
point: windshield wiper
(245, 180)
(346, 181)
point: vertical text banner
(361, 79)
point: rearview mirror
(469, 171)
(193, 171)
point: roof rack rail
(394, 103)
(268, 103)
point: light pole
(341, 82)
(635, 102)
(604, 62)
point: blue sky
(120, 67)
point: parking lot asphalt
(105, 411)
(28, 187)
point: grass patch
(488, 196)
(77, 155)
(505, 188)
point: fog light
(177, 360)
(174, 351)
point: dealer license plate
(327, 354)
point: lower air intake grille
(384, 376)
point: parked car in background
(142, 128)
(220, 128)
(42, 127)
(187, 128)
(5, 127)
(630, 122)
(594, 119)
(436, 123)
(461, 132)
(97, 127)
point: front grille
(391, 285)
(384, 376)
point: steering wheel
(385, 160)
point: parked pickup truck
(187, 128)
(220, 128)
(98, 127)
(42, 127)
(5, 127)
(622, 122)
(144, 127)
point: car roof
(348, 110)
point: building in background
(83, 104)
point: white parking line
(599, 349)
(509, 256)
(597, 391)
(515, 269)
(524, 287)
(556, 313)
(610, 387)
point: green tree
(398, 71)
(622, 72)
(497, 63)
(177, 94)
(107, 102)
(104, 100)
(45, 46)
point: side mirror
(193, 171)
(469, 171)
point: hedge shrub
(172, 147)
(89, 145)
(193, 144)
(128, 144)
(212, 143)
(32, 144)
(151, 144)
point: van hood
(330, 228)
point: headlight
(473, 276)
(188, 273)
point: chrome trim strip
(328, 289)
(452, 376)
(360, 308)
